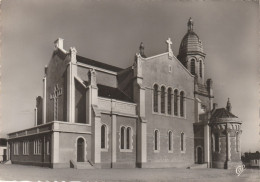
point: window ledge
(126, 150)
(169, 115)
(156, 151)
(104, 150)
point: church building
(156, 113)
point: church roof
(191, 41)
(98, 64)
(112, 93)
(222, 113)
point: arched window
(182, 141)
(192, 67)
(213, 142)
(103, 136)
(176, 102)
(162, 99)
(201, 68)
(123, 137)
(237, 141)
(155, 98)
(156, 140)
(182, 104)
(128, 137)
(170, 140)
(169, 100)
(217, 142)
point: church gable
(56, 77)
(162, 69)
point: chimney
(59, 43)
(215, 106)
(45, 70)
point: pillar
(207, 144)
(139, 97)
(44, 97)
(35, 117)
(55, 145)
(71, 73)
(95, 116)
(114, 139)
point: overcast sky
(111, 32)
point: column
(55, 149)
(35, 117)
(228, 145)
(71, 73)
(44, 100)
(139, 97)
(207, 144)
(96, 116)
(113, 138)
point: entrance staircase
(81, 165)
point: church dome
(191, 41)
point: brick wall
(106, 157)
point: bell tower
(191, 53)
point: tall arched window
(170, 140)
(201, 68)
(182, 141)
(155, 98)
(213, 142)
(156, 140)
(128, 137)
(176, 102)
(217, 142)
(103, 136)
(169, 101)
(192, 66)
(162, 99)
(237, 141)
(123, 137)
(182, 104)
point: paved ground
(30, 173)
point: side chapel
(158, 112)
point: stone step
(7, 162)
(198, 166)
(83, 165)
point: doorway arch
(80, 150)
(199, 155)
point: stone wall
(169, 73)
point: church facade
(158, 112)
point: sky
(111, 32)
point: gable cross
(169, 42)
(57, 93)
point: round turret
(225, 142)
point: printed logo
(240, 169)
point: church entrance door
(80, 150)
(199, 155)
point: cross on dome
(190, 25)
